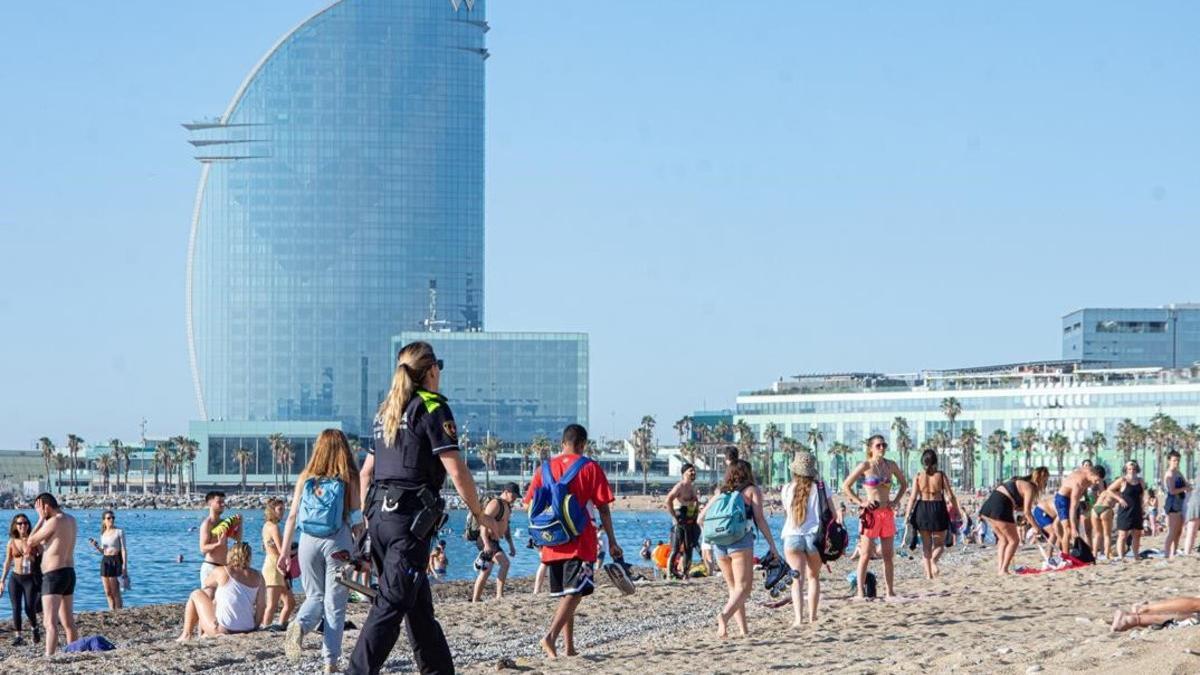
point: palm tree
(951, 408)
(968, 440)
(724, 431)
(940, 442)
(74, 444)
(60, 464)
(488, 452)
(124, 455)
(46, 446)
(527, 453)
(287, 456)
(164, 454)
(1127, 433)
(115, 444)
(1189, 439)
(104, 464)
(1059, 445)
(1026, 439)
(1093, 444)
(771, 434)
(179, 459)
(904, 442)
(275, 441)
(191, 449)
(815, 438)
(683, 427)
(997, 443)
(840, 452)
(1162, 434)
(243, 456)
(745, 441)
(643, 450)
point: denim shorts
(743, 544)
(802, 543)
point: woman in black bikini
(1000, 512)
(931, 517)
(1130, 493)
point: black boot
(37, 634)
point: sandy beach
(969, 621)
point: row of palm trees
(172, 455)
(1162, 435)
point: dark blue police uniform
(399, 556)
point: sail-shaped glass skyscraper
(343, 179)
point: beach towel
(92, 643)
(1069, 563)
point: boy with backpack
(488, 541)
(558, 521)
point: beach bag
(832, 538)
(1081, 551)
(556, 517)
(321, 507)
(471, 533)
(725, 522)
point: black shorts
(110, 566)
(570, 577)
(59, 582)
(998, 507)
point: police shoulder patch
(451, 430)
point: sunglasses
(108, 517)
(24, 523)
(440, 364)
(881, 446)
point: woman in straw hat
(805, 498)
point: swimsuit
(930, 515)
(1175, 501)
(59, 582)
(1003, 508)
(1130, 517)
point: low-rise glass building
(513, 386)
(1164, 337)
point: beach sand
(969, 621)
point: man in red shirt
(571, 565)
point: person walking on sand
(1129, 491)
(927, 511)
(1067, 502)
(488, 542)
(213, 547)
(878, 510)
(55, 533)
(114, 559)
(23, 587)
(1175, 488)
(805, 499)
(237, 604)
(999, 512)
(325, 509)
(683, 505)
(570, 565)
(415, 448)
(276, 581)
(732, 517)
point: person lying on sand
(1156, 613)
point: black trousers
(23, 590)
(683, 542)
(400, 561)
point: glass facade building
(513, 386)
(1163, 337)
(344, 177)
(217, 462)
(1072, 401)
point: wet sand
(968, 621)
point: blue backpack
(725, 521)
(321, 506)
(556, 517)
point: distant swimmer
(683, 503)
(878, 515)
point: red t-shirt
(590, 485)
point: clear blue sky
(719, 193)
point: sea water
(155, 538)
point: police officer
(415, 447)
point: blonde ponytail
(412, 363)
(800, 499)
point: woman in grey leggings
(325, 508)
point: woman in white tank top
(238, 604)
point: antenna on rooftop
(431, 323)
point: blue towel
(92, 643)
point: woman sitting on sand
(237, 603)
(931, 487)
(1129, 491)
(278, 586)
(999, 512)
(736, 560)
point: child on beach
(570, 565)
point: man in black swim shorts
(55, 533)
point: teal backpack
(321, 506)
(725, 521)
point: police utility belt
(430, 516)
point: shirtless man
(683, 504)
(878, 515)
(1066, 504)
(213, 549)
(55, 533)
(499, 508)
